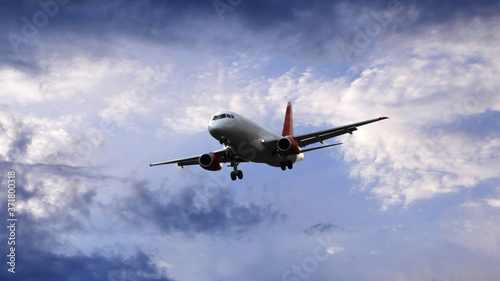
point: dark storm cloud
(38, 238)
(57, 199)
(193, 210)
(440, 11)
(321, 227)
(75, 187)
(298, 28)
(38, 231)
(19, 145)
(36, 260)
(260, 13)
(326, 228)
(75, 190)
(43, 265)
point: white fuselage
(247, 138)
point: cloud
(423, 150)
(321, 227)
(54, 202)
(430, 153)
(31, 139)
(493, 202)
(334, 250)
(21, 142)
(36, 264)
(94, 267)
(208, 209)
(299, 30)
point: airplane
(247, 141)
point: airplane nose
(214, 128)
(219, 128)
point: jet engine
(288, 146)
(210, 161)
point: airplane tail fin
(288, 125)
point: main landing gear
(233, 159)
(285, 164)
(236, 173)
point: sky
(93, 91)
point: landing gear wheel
(236, 174)
(289, 164)
(283, 166)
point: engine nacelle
(210, 161)
(288, 146)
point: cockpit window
(221, 116)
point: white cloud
(65, 79)
(334, 250)
(423, 151)
(136, 96)
(493, 202)
(18, 87)
(33, 140)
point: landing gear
(286, 164)
(224, 141)
(236, 173)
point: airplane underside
(269, 157)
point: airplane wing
(193, 160)
(180, 162)
(307, 139)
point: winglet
(288, 124)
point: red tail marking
(288, 125)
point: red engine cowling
(288, 146)
(210, 161)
